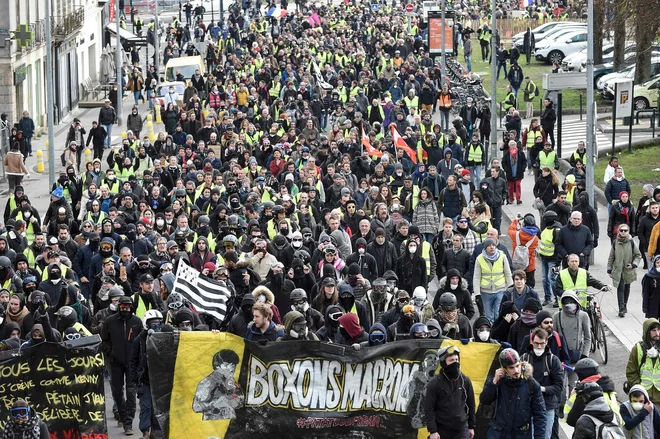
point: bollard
(47, 149)
(88, 154)
(149, 117)
(150, 131)
(157, 110)
(40, 161)
(123, 135)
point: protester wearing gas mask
(548, 372)
(300, 303)
(517, 397)
(449, 405)
(118, 333)
(295, 328)
(378, 300)
(644, 359)
(329, 333)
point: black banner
(63, 384)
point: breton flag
(367, 145)
(205, 294)
(319, 77)
(400, 143)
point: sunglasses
(462, 221)
(19, 412)
(547, 322)
(623, 230)
(403, 300)
(75, 336)
(87, 226)
(297, 239)
(185, 324)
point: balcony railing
(63, 27)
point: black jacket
(118, 336)
(575, 240)
(548, 373)
(445, 402)
(548, 118)
(412, 272)
(139, 368)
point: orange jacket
(653, 242)
(524, 239)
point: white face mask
(160, 223)
(361, 251)
(484, 335)
(28, 214)
(539, 352)
(652, 353)
(412, 249)
(637, 406)
(453, 286)
(113, 307)
(571, 307)
(296, 244)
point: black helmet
(587, 392)
(586, 367)
(298, 294)
(529, 220)
(303, 255)
(448, 300)
(278, 209)
(268, 205)
(509, 357)
(115, 291)
(233, 221)
(5, 262)
(550, 215)
(419, 330)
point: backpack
(536, 90)
(609, 430)
(521, 253)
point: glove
(357, 346)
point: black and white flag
(205, 294)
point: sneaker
(547, 302)
(128, 430)
(519, 202)
(622, 314)
(556, 304)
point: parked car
(608, 85)
(541, 31)
(646, 95)
(565, 44)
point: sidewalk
(628, 329)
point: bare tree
(647, 21)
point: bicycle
(592, 308)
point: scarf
(624, 212)
(79, 311)
(18, 317)
(491, 258)
(451, 321)
(29, 429)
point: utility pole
(493, 85)
(156, 40)
(50, 102)
(120, 88)
(590, 103)
(443, 66)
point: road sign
(562, 81)
(23, 35)
(410, 8)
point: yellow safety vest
(547, 160)
(411, 103)
(509, 98)
(415, 195)
(482, 236)
(271, 228)
(31, 257)
(63, 269)
(141, 308)
(649, 370)
(570, 194)
(546, 244)
(475, 155)
(29, 229)
(610, 397)
(492, 273)
(579, 286)
(531, 138)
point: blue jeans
(549, 422)
(324, 119)
(468, 62)
(144, 393)
(137, 95)
(29, 144)
(150, 95)
(476, 174)
(106, 142)
(549, 278)
(501, 66)
(444, 120)
(428, 237)
(529, 159)
(492, 302)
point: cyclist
(587, 372)
(577, 279)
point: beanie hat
(488, 242)
(533, 305)
(542, 315)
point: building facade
(76, 33)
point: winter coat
(548, 118)
(462, 294)
(644, 230)
(621, 214)
(511, 295)
(623, 253)
(451, 202)
(575, 328)
(563, 211)
(454, 260)
(134, 123)
(118, 336)
(499, 190)
(548, 372)
(446, 403)
(574, 240)
(426, 217)
(651, 295)
(521, 166)
(272, 333)
(638, 424)
(14, 164)
(589, 215)
(633, 374)
(519, 403)
(585, 427)
(614, 187)
(412, 271)
(526, 234)
(385, 255)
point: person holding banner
(449, 406)
(24, 423)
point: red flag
(367, 145)
(400, 143)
